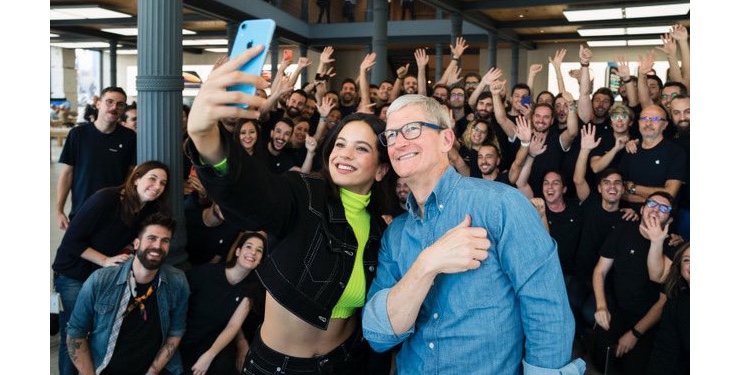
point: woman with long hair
(101, 234)
(327, 228)
(221, 297)
(477, 133)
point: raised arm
(681, 35)
(499, 111)
(646, 65)
(585, 110)
(214, 102)
(401, 73)
(366, 64)
(669, 48)
(324, 110)
(325, 59)
(524, 133)
(303, 63)
(571, 131)
(600, 162)
(657, 264)
(588, 143)
(453, 68)
(422, 59)
(485, 81)
(623, 70)
(557, 62)
(536, 147)
(533, 70)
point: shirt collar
(443, 190)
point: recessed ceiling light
(52, 35)
(593, 14)
(657, 10)
(648, 30)
(607, 43)
(82, 45)
(133, 31)
(602, 32)
(205, 42)
(645, 42)
(75, 12)
(218, 50)
(126, 52)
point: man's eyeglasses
(664, 208)
(652, 119)
(457, 95)
(672, 95)
(410, 131)
(471, 83)
(617, 116)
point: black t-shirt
(682, 140)
(213, 301)
(549, 160)
(471, 159)
(634, 292)
(140, 339)
(280, 163)
(597, 224)
(205, 242)
(565, 228)
(653, 167)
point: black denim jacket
(310, 265)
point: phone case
(252, 33)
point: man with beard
(348, 98)
(681, 115)
(629, 308)
(457, 103)
(278, 156)
(292, 109)
(489, 158)
(96, 155)
(384, 93)
(657, 165)
(130, 319)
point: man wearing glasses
(629, 308)
(463, 283)
(658, 164)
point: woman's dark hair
(130, 203)
(380, 198)
(674, 282)
(231, 257)
(238, 129)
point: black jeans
(261, 360)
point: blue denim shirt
(97, 305)
(509, 316)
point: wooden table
(60, 133)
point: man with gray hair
(457, 277)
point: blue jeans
(68, 289)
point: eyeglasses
(672, 95)
(457, 95)
(111, 102)
(652, 119)
(410, 131)
(471, 83)
(664, 208)
(617, 116)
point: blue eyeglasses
(410, 131)
(652, 119)
(664, 208)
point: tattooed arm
(165, 353)
(79, 352)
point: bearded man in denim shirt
(468, 280)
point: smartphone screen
(252, 33)
(526, 100)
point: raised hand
(557, 60)
(669, 44)
(214, 102)
(585, 54)
(303, 62)
(680, 33)
(367, 62)
(310, 144)
(326, 55)
(421, 57)
(623, 68)
(491, 75)
(646, 62)
(454, 76)
(588, 137)
(325, 107)
(523, 129)
(535, 68)
(459, 47)
(654, 230)
(537, 146)
(402, 71)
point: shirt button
(221, 241)
(431, 345)
(436, 315)
(441, 206)
(371, 268)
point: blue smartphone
(250, 34)
(526, 100)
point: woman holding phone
(327, 227)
